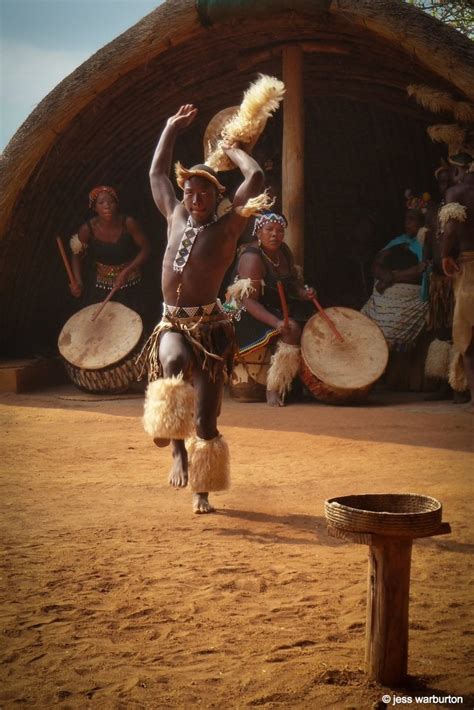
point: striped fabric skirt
(400, 314)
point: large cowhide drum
(99, 355)
(342, 372)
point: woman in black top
(261, 265)
(117, 248)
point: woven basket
(385, 514)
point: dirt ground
(114, 595)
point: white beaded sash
(187, 241)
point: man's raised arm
(161, 186)
(252, 172)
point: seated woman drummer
(116, 247)
(398, 301)
(259, 319)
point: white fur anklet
(208, 464)
(168, 410)
(284, 367)
(457, 374)
(437, 360)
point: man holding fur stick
(456, 220)
(195, 337)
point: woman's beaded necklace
(276, 263)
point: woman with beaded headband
(117, 248)
(261, 265)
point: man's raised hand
(183, 117)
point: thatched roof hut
(365, 138)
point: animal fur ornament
(457, 374)
(260, 100)
(439, 101)
(284, 367)
(240, 289)
(421, 235)
(208, 464)
(431, 99)
(464, 112)
(255, 205)
(438, 360)
(451, 134)
(452, 210)
(168, 410)
(77, 247)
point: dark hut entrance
(365, 143)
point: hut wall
(355, 180)
(365, 143)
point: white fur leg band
(208, 464)
(284, 367)
(168, 411)
(457, 374)
(437, 360)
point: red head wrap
(94, 194)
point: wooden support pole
(387, 609)
(293, 150)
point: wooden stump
(386, 653)
(388, 596)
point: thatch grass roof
(101, 123)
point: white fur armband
(240, 289)
(421, 235)
(77, 247)
(453, 210)
(255, 205)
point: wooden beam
(293, 150)
(250, 59)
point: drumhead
(95, 344)
(357, 362)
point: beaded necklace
(276, 263)
(187, 241)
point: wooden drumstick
(284, 305)
(327, 319)
(72, 280)
(104, 302)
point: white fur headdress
(246, 124)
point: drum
(99, 355)
(249, 383)
(342, 373)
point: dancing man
(457, 249)
(195, 338)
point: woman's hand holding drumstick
(76, 288)
(104, 302)
(326, 318)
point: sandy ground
(114, 595)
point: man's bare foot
(274, 399)
(201, 503)
(161, 443)
(178, 476)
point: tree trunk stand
(386, 653)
